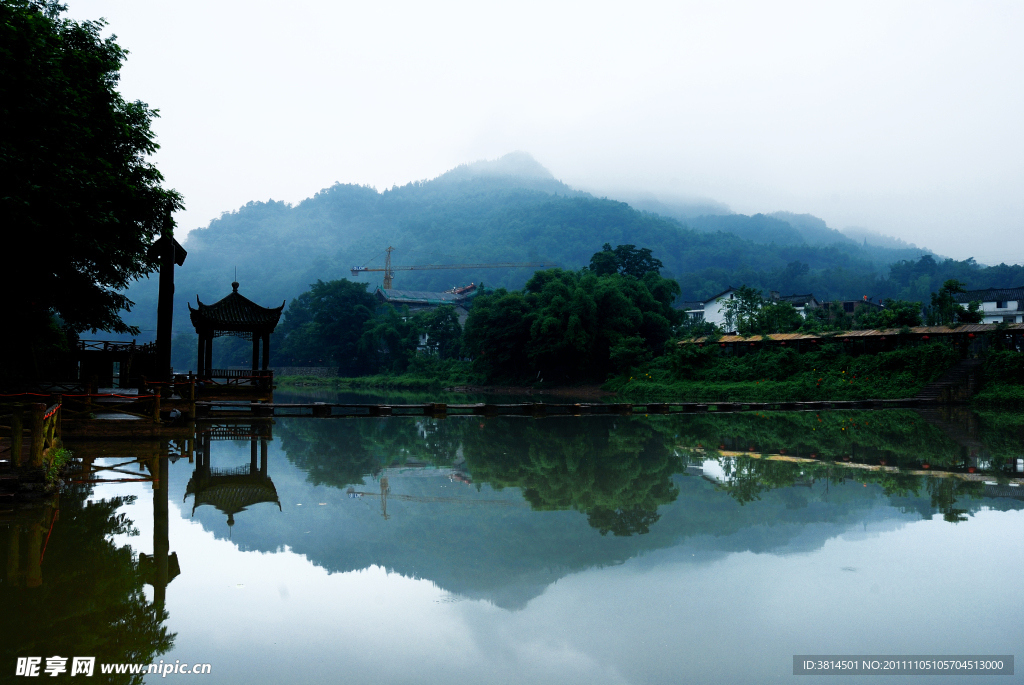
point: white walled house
(997, 304)
(713, 309)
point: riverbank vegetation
(693, 373)
(612, 323)
(1004, 380)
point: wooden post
(201, 355)
(17, 433)
(191, 398)
(36, 455)
(14, 555)
(208, 356)
(57, 418)
(255, 352)
(156, 405)
(266, 351)
(34, 576)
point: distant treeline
(280, 249)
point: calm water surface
(511, 550)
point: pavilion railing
(241, 376)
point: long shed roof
(872, 333)
(991, 295)
(420, 297)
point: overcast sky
(902, 117)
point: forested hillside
(514, 210)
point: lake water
(600, 549)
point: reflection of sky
(702, 608)
(926, 587)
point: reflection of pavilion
(232, 490)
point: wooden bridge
(219, 410)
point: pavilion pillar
(201, 356)
(263, 457)
(266, 351)
(255, 352)
(209, 355)
(252, 456)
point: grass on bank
(1004, 380)
(424, 373)
(694, 374)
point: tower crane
(389, 270)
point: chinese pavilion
(238, 316)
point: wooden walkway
(219, 410)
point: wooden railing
(241, 376)
(44, 430)
(115, 346)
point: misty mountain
(868, 237)
(510, 209)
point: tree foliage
(572, 326)
(79, 192)
(945, 311)
(323, 326)
(748, 313)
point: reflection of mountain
(475, 541)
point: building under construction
(416, 300)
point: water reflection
(69, 590)
(498, 509)
(232, 490)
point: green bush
(776, 373)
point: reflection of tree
(946, 491)
(341, 453)
(899, 437)
(91, 601)
(617, 474)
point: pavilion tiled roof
(872, 333)
(235, 313)
(231, 493)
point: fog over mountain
(902, 118)
(513, 209)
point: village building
(998, 304)
(418, 300)
(713, 310)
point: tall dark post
(167, 252)
(208, 356)
(201, 356)
(266, 351)
(255, 351)
(161, 540)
